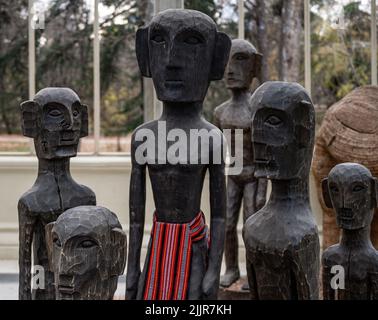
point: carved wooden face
(87, 251)
(182, 51)
(56, 120)
(243, 66)
(282, 131)
(352, 193)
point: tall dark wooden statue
(244, 65)
(87, 252)
(182, 51)
(281, 239)
(56, 120)
(352, 192)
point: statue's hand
(260, 202)
(210, 285)
(132, 280)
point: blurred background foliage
(64, 51)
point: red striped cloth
(170, 256)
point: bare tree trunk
(290, 55)
(262, 37)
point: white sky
(228, 13)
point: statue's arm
(373, 279)
(251, 274)
(262, 185)
(137, 202)
(305, 271)
(26, 229)
(217, 229)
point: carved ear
(326, 195)
(221, 56)
(374, 192)
(142, 51)
(258, 62)
(84, 121)
(49, 243)
(29, 116)
(119, 252)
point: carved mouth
(261, 161)
(174, 83)
(68, 290)
(346, 214)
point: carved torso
(177, 188)
(276, 255)
(52, 194)
(237, 115)
(361, 270)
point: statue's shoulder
(142, 131)
(75, 195)
(218, 111)
(40, 199)
(332, 255)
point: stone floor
(9, 280)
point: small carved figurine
(87, 252)
(244, 65)
(282, 239)
(348, 133)
(56, 120)
(352, 192)
(182, 51)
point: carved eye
(334, 189)
(75, 113)
(57, 242)
(88, 244)
(273, 121)
(241, 57)
(193, 40)
(55, 113)
(358, 188)
(158, 38)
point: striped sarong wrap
(170, 256)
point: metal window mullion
(31, 61)
(241, 28)
(374, 42)
(307, 42)
(96, 80)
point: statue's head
(283, 129)
(56, 120)
(352, 192)
(243, 66)
(182, 51)
(87, 253)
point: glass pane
(65, 53)
(341, 51)
(14, 74)
(121, 81)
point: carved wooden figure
(348, 133)
(244, 65)
(87, 252)
(282, 239)
(352, 192)
(182, 51)
(56, 120)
